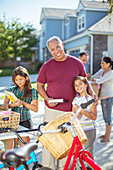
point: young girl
(27, 98)
(87, 116)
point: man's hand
(51, 104)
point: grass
(9, 71)
(6, 71)
(34, 85)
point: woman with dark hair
(104, 77)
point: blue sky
(30, 10)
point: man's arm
(42, 92)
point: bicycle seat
(18, 155)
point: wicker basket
(10, 120)
(57, 143)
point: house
(87, 28)
(52, 21)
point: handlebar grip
(84, 105)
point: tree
(16, 39)
(4, 47)
(111, 6)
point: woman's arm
(33, 106)
(97, 74)
(18, 103)
(92, 93)
(106, 77)
(15, 104)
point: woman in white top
(104, 77)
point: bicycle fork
(87, 157)
(71, 153)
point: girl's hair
(21, 71)
(108, 60)
(80, 78)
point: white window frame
(81, 23)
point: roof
(103, 25)
(56, 12)
(95, 4)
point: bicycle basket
(10, 119)
(57, 143)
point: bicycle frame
(81, 154)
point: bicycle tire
(91, 162)
(36, 166)
(39, 167)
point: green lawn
(9, 71)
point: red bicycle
(80, 154)
(81, 158)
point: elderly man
(59, 73)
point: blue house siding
(93, 17)
(53, 27)
(66, 31)
(70, 28)
(73, 26)
(83, 12)
(76, 43)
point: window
(75, 51)
(81, 23)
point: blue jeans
(106, 105)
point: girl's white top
(86, 123)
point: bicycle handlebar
(61, 128)
(82, 106)
(85, 105)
